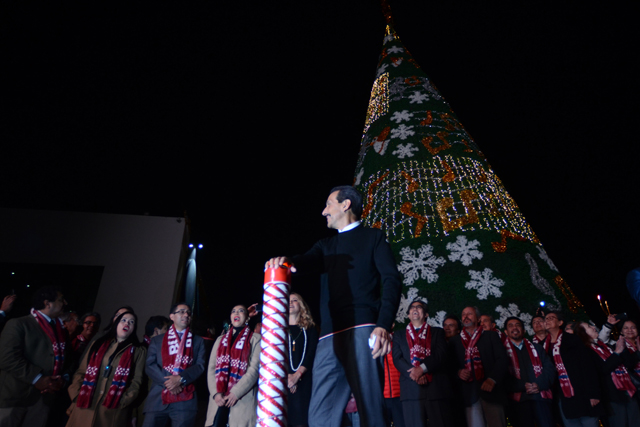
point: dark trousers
(393, 411)
(437, 412)
(343, 365)
(530, 413)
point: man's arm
(197, 368)
(153, 368)
(12, 357)
(391, 284)
(402, 365)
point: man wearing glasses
(174, 361)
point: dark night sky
(244, 115)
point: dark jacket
(439, 387)
(494, 362)
(544, 381)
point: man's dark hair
(454, 318)
(155, 322)
(513, 318)
(491, 319)
(46, 293)
(536, 317)
(174, 306)
(425, 306)
(560, 317)
(347, 192)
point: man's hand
(488, 385)
(594, 402)
(383, 344)
(422, 380)
(531, 388)
(7, 303)
(620, 345)
(172, 382)
(612, 319)
(415, 373)
(464, 374)
(219, 399)
(49, 384)
(176, 391)
(231, 400)
(279, 261)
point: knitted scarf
(177, 355)
(565, 383)
(419, 346)
(118, 382)
(632, 348)
(514, 366)
(56, 337)
(620, 375)
(232, 361)
(472, 354)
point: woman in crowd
(109, 377)
(90, 323)
(303, 340)
(233, 374)
(615, 379)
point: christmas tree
(458, 236)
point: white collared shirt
(350, 227)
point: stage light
(190, 245)
(200, 246)
(541, 303)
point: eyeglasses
(88, 322)
(181, 312)
(551, 318)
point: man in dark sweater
(355, 319)
(531, 375)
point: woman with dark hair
(629, 332)
(233, 374)
(109, 377)
(117, 313)
(303, 340)
(616, 381)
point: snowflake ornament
(423, 264)
(405, 150)
(485, 283)
(395, 49)
(402, 132)
(382, 70)
(513, 310)
(405, 302)
(418, 98)
(381, 146)
(436, 321)
(464, 251)
(545, 257)
(399, 116)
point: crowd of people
(58, 369)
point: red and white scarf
(118, 383)
(620, 376)
(232, 360)
(177, 355)
(56, 338)
(565, 383)
(632, 348)
(78, 343)
(514, 366)
(419, 346)
(472, 354)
